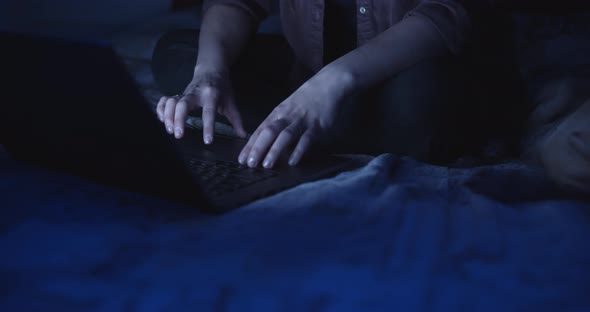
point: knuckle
(278, 113)
(270, 130)
(289, 132)
(254, 151)
(184, 104)
(180, 117)
(277, 126)
(208, 91)
(208, 110)
(274, 150)
(246, 150)
(170, 101)
(189, 96)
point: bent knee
(566, 161)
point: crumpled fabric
(393, 235)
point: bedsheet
(394, 235)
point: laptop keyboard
(221, 177)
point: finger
(233, 115)
(246, 150)
(160, 107)
(180, 116)
(209, 98)
(266, 138)
(286, 138)
(242, 158)
(307, 139)
(169, 114)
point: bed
(395, 234)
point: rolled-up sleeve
(257, 9)
(449, 17)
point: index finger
(209, 98)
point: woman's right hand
(211, 90)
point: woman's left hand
(304, 118)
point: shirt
(339, 28)
(303, 21)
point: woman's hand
(209, 89)
(303, 119)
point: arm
(432, 28)
(410, 41)
(227, 26)
(309, 113)
(220, 42)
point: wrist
(211, 68)
(339, 79)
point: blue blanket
(394, 235)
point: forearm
(224, 33)
(410, 41)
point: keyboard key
(222, 177)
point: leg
(559, 133)
(425, 112)
(259, 77)
(566, 152)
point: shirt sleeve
(257, 9)
(453, 19)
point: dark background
(83, 18)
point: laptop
(71, 105)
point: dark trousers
(426, 111)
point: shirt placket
(364, 27)
(316, 33)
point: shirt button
(363, 10)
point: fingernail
(292, 161)
(252, 162)
(178, 133)
(208, 139)
(169, 129)
(266, 163)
